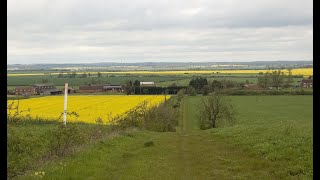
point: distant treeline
(275, 83)
(244, 92)
(157, 90)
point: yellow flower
(88, 107)
(300, 71)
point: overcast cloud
(81, 31)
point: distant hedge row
(264, 92)
(158, 90)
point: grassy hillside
(278, 128)
(271, 140)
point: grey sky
(78, 31)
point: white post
(65, 103)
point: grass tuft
(148, 144)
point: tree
(273, 79)
(127, 87)
(136, 86)
(198, 83)
(44, 80)
(215, 110)
(289, 79)
(99, 74)
(228, 83)
(173, 85)
(216, 85)
(84, 75)
(180, 94)
(73, 75)
(89, 75)
(277, 79)
(191, 91)
(205, 90)
(60, 75)
(264, 81)
(136, 83)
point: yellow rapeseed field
(300, 71)
(89, 107)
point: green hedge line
(264, 92)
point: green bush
(241, 92)
(21, 151)
(159, 118)
(148, 144)
(64, 138)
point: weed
(148, 144)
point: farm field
(301, 71)
(75, 82)
(88, 107)
(160, 79)
(272, 139)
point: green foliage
(74, 74)
(64, 138)
(20, 151)
(216, 85)
(191, 91)
(84, 75)
(128, 87)
(276, 79)
(198, 83)
(277, 128)
(244, 92)
(60, 75)
(180, 94)
(215, 110)
(148, 144)
(228, 84)
(99, 120)
(159, 118)
(45, 80)
(13, 112)
(289, 79)
(205, 90)
(99, 74)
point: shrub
(214, 110)
(64, 138)
(148, 144)
(157, 118)
(191, 91)
(20, 151)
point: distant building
(306, 83)
(91, 88)
(113, 88)
(147, 84)
(70, 90)
(46, 89)
(25, 90)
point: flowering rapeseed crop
(300, 71)
(89, 108)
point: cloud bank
(75, 31)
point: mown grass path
(186, 154)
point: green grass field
(160, 80)
(271, 140)
(278, 128)
(118, 79)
